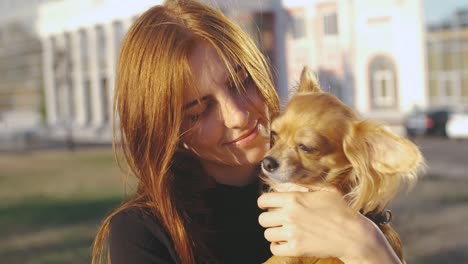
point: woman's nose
(235, 112)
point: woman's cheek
(208, 132)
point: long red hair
(152, 72)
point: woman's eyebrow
(238, 68)
(195, 102)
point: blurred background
(402, 62)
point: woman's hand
(321, 224)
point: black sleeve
(138, 238)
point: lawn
(51, 204)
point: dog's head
(318, 140)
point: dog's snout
(269, 164)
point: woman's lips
(247, 137)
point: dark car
(439, 121)
(430, 123)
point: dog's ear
(308, 82)
(381, 161)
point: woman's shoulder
(137, 236)
(136, 217)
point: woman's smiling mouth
(247, 137)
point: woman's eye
(307, 149)
(197, 116)
(194, 118)
(245, 81)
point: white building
(370, 53)
(80, 40)
(20, 64)
(447, 51)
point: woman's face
(228, 133)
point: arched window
(383, 83)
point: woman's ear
(381, 161)
(308, 82)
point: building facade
(80, 41)
(447, 52)
(369, 53)
(21, 85)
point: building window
(383, 83)
(297, 23)
(330, 24)
(465, 57)
(448, 60)
(433, 89)
(449, 92)
(464, 89)
(432, 59)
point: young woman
(194, 99)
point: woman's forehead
(208, 71)
(206, 64)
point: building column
(96, 94)
(281, 23)
(49, 83)
(77, 78)
(110, 63)
(61, 86)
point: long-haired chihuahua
(319, 141)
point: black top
(137, 237)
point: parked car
(417, 124)
(457, 125)
(432, 122)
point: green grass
(51, 203)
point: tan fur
(361, 158)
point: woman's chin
(255, 156)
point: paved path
(444, 156)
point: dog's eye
(273, 136)
(307, 149)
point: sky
(437, 10)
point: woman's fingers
(274, 234)
(271, 200)
(285, 249)
(271, 219)
(283, 243)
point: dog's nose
(269, 164)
